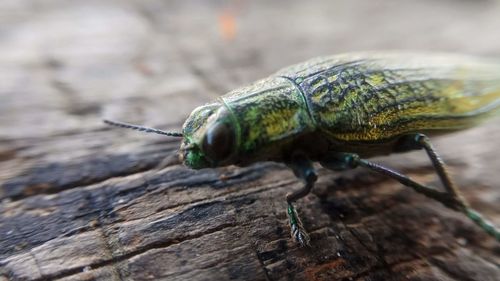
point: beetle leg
(339, 161)
(345, 161)
(303, 169)
(419, 141)
(445, 198)
(452, 200)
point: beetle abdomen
(374, 97)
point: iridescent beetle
(340, 110)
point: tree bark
(81, 201)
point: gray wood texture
(81, 201)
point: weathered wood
(81, 201)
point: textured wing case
(371, 97)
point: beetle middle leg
(302, 168)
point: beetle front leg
(303, 168)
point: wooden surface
(80, 201)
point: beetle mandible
(340, 110)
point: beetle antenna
(142, 129)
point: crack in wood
(263, 267)
(39, 187)
(131, 254)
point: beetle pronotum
(340, 110)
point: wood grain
(81, 201)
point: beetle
(340, 110)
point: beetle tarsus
(303, 168)
(298, 231)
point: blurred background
(65, 65)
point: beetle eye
(218, 142)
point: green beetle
(340, 110)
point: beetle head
(210, 137)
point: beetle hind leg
(450, 198)
(421, 141)
(303, 169)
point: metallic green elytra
(338, 110)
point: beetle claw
(300, 236)
(298, 231)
